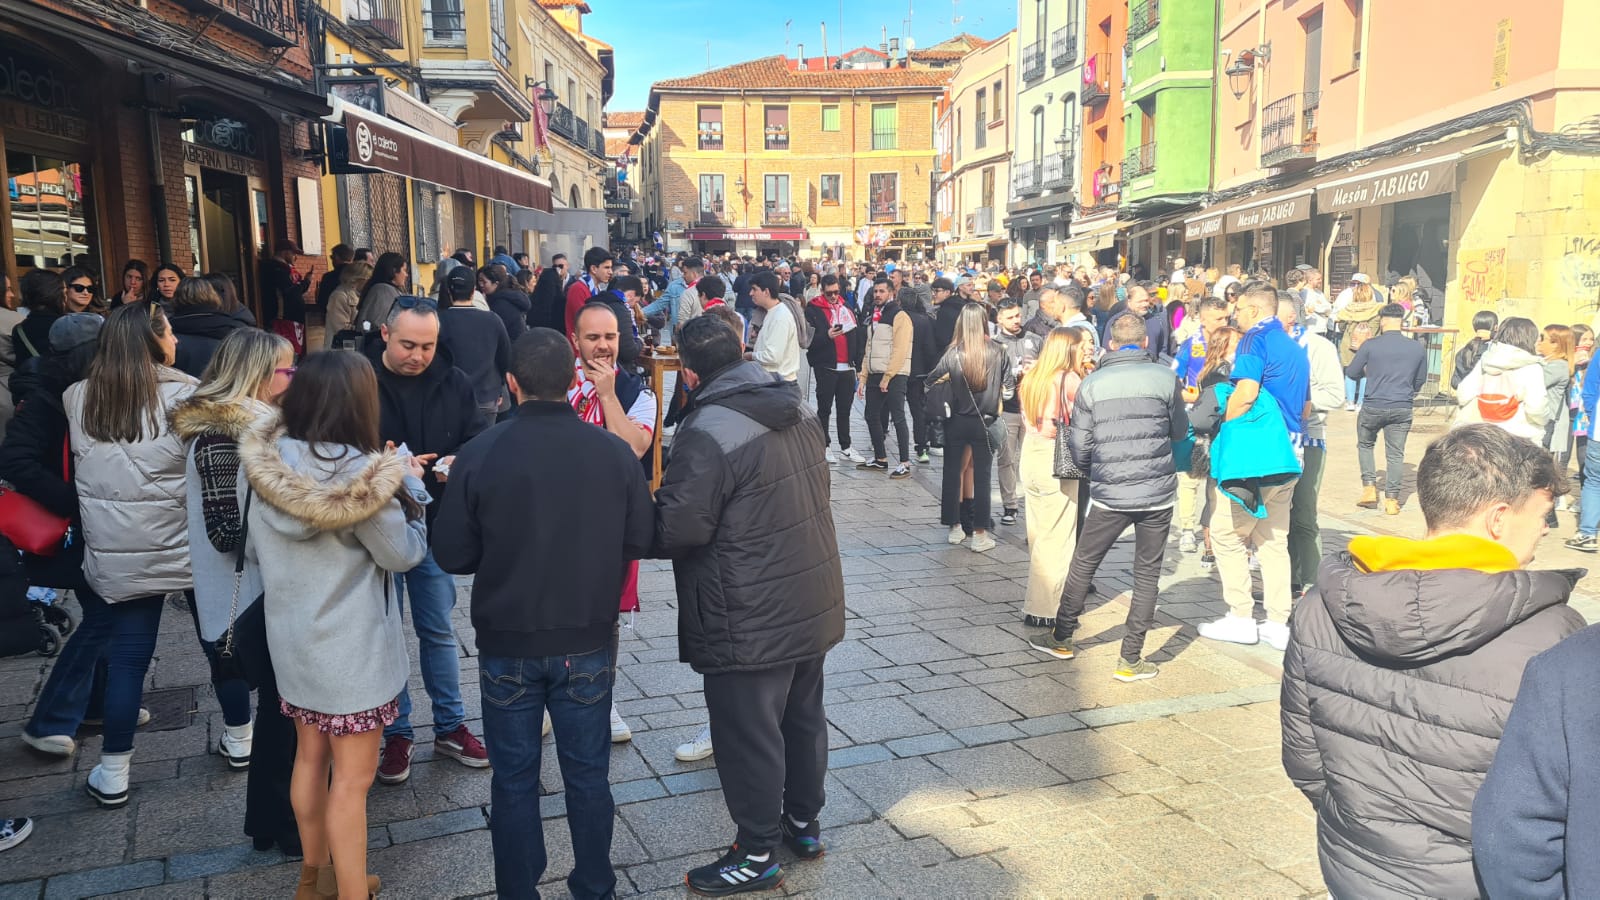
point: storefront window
(258, 207)
(191, 189)
(51, 212)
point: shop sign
(212, 158)
(35, 81)
(1200, 229)
(1268, 215)
(47, 123)
(745, 234)
(1389, 186)
(911, 234)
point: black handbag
(247, 629)
(937, 397)
(1064, 468)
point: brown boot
(1391, 506)
(307, 889)
(1369, 497)
(328, 883)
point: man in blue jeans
(428, 407)
(544, 606)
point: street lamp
(547, 98)
(1240, 71)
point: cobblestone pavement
(963, 764)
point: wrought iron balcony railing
(275, 23)
(378, 21)
(1141, 161)
(1064, 46)
(1289, 129)
(1058, 171)
(1097, 74)
(1025, 180)
(1143, 18)
(713, 213)
(780, 215)
(1033, 62)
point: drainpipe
(1207, 253)
(744, 162)
(158, 185)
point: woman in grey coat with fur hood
(333, 516)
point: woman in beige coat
(345, 301)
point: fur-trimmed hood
(194, 417)
(321, 494)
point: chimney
(800, 53)
(825, 45)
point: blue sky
(656, 41)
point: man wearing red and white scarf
(617, 401)
(829, 355)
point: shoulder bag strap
(226, 650)
(1061, 398)
(21, 333)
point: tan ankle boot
(307, 889)
(1391, 506)
(328, 883)
(1369, 497)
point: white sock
(762, 858)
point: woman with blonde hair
(1047, 395)
(249, 372)
(980, 378)
(345, 301)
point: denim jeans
(233, 694)
(576, 689)
(1589, 513)
(134, 624)
(433, 596)
(1395, 423)
(77, 680)
(1355, 392)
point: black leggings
(960, 434)
(916, 399)
(836, 389)
(882, 407)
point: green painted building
(1167, 105)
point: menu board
(1264, 263)
(1342, 261)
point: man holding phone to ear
(427, 406)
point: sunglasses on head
(408, 301)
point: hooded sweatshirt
(1401, 669)
(199, 334)
(1506, 379)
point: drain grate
(170, 710)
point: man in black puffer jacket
(743, 513)
(1124, 420)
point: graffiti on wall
(1483, 275)
(1580, 271)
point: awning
(1097, 236)
(1203, 225)
(362, 141)
(746, 234)
(1411, 175)
(1040, 218)
(1268, 210)
(1157, 225)
(975, 245)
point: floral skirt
(341, 724)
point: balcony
(982, 220)
(777, 137)
(1058, 171)
(1141, 161)
(581, 133)
(1289, 131)
(883, 211)
(1064, 46)
(1143, 18)
(1025, 179)
(713, 213)
(710, 139)
(1033, 62)
(1097, 70)
(597, 145)
(275, 23)
(779, 215)
(564, 123)
(378, 21)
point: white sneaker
(235, 744)
(620, 732)
(1349, 407)
(830, 457)
(697, 749)
(956, 534)
(982, 542)
(1187, 543)
(1255, 564)
(852, 456)
(108, 783)
(1233, 629)
(1276, 634)
(52, 744)
(545, 732)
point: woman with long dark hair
(44, 297)
(228, 295)
(200, 324)
(135, 283)
(334, 514)
(980, 379)
(164, 283)
(505, 300)
(548, 306)
(128, 470)
(389, 279)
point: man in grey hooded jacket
(1403, 662)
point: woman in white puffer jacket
(1506, 388)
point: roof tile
(772, 73)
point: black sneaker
(805, 842)
(734, 873)
(1008, 517)
(1585, 543)
(873, 464)
(1039, 621)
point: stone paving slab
(963, 764)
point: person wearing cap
(1346, 295)
(283, 294)
(476, 342)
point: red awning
(370, 141)
(747, 234)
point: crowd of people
(295, 500)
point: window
(1038, 133)
(1041, 25)
(1313, 71)
(775, 198)
(998, 114)
(988, 186)
(777, 128)
(571, 96)
(442, 23)
(1357, 12)
(425, 211)
(549, 74)
(593, 110)
(885, 126)
(711, 128)
(830, 189)
(51, 211)
(1069, 122)
(958, 139)
(830, 117)
(497, 33)
(980, 110)
(712, 206)
(883, 189)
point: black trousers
(1101, 529)
(771, 736)
(883, 407)
(916, 390)
(960, 434)
(836, 390)
(267, 811)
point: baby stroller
(31, 619)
